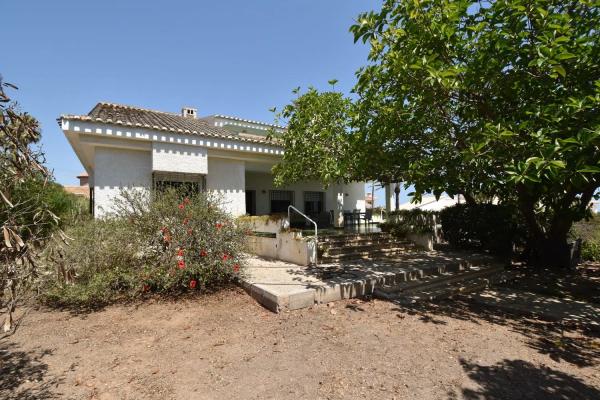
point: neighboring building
(129, 147)
(429, 203)
(83, 189)
(369, 200)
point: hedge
(489, 227)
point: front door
(251, 202)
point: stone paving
(545, 307)
(279, 285)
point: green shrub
(395, 229)
(589, 232)
(168, 245)
(490, 227)
(590, 251)
(413, 221)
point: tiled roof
(118, 114)
(250, 121)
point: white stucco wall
(172, 157)
(116, 169)
(354, 196)
(226, 178)
(264, 182)
(286, 246)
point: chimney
(188, 112)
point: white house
(129, 147)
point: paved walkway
(546, 307)
(279, 285)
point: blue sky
(229, 57)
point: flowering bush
(170, 244)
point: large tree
(26, 219)
(490, 100)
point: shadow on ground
(518, 379)
(23, 374)
(560, 341)
(582, 284)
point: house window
(280, 200)
(188, 183)
(314, 202)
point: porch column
(389, 197)
(335, 203)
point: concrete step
(333, 251)
(344, 238)
(444, 286)
(363, 255)
(359, 242)
(444, 276)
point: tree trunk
(469, 199)
(551, 252)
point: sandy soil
(225, 346)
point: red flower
(145, 288)
(219, 225)
(167, 237)
(181, 264)
(202, 253)
(180, 252)
(236, 268)
(225, 257)
(190, 231)
(192, 284)
(185, 221)
(181, 206)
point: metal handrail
(290, 207)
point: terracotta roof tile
(134, 116)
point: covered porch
(328, 206)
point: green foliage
(489, 100)
(26, 219)
(589, 232)
(67, 207)
(395, 229)
(590, 251)
(415, 221)
(168, 245)
(490, 227)
(317, 137)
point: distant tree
(495, 99)
(26, 220)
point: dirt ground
(225, 346)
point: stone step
(359, 242)
(363, 255)
(338, 250)
(443, 276)
(472, 281)
(344, 238)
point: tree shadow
(561, 341)
(518, 379)
(23, 374)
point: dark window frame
(321, 200)
(163, 180)
(280, 208)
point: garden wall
(271, 239)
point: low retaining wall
(286, 245)
(424, 241)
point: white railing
(316, 239)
